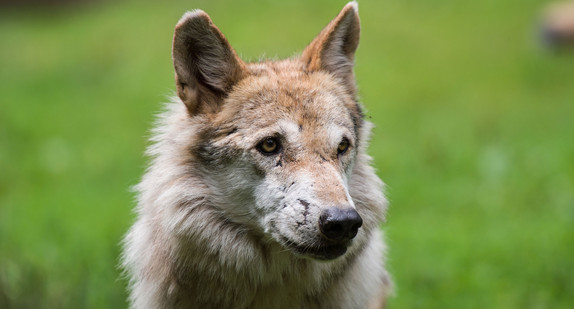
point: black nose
(339, 223)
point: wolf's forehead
(303, 107)
(292, 95)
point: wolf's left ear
(206, 67)
(333, 50)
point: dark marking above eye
(290, 94)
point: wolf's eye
(343, 146)
(269, 146)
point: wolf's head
(281, 145)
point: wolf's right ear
(206, 67)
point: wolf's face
(279, 138)
(283, 145)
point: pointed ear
(206, 67)
(333, 50)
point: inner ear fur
(206, 67)
(333, 50)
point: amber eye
(343, 146)
(269, 146)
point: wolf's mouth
(320, 252)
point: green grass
(474, 137)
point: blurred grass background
(474, 137)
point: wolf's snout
(340, 224)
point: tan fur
(222, 225)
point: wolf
(260, 192)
